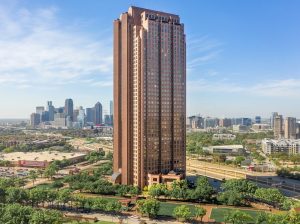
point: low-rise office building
(225, 149)
(40, 159)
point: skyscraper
(290, 126)
(69, 108)
(98, 113)
(90, 114)
(149, 97)
(35, 119)
(278, 126)
(50, 109)
(111, 108)
(274, 114)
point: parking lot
(13, 172)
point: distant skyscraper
(290, 126)
(35, 119)
(98, 113)
(111, 108)
(81, 119)
(39, 110)
(50, 109)
(149, 97)
(274, 114)
(278, 126)
(258, 120)
(225, 122)
(69, 108)
(90, 114)
(75, 114)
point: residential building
(288, 146)
(149, 96)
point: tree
(219, 158)
(293, 216)
(51, 170)
(113, 206)
(237, 217)
(149, 207)
(64, 196)
(46, 217)
(200, 212)
(95, 156)
(37, 196)
(239, 185)
(182, 213)
(261, 218)
(180, 189)
(33, 175)
(231, 197)
(269, 195)
(203, 191)
(16, 195)
(157, 190)
(238, 160)
(16, 214)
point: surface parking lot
(13, 172)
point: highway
(289, 187)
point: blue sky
(243, 57)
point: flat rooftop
(227, 146)
(40, 156)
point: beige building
(278, 127)
(149, 95)
(223, 137)
(290, 126)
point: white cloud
(269, 88)
(202, 50)
(37, 49)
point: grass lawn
(166, 208)
(218, 213)
(99, 222)
(45, 186)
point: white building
(225, 149)
(288, 146)
(223, 137)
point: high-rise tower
(290, 126)
(149, 96)
(69, 108)
(98, 113)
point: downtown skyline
(242, 58)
